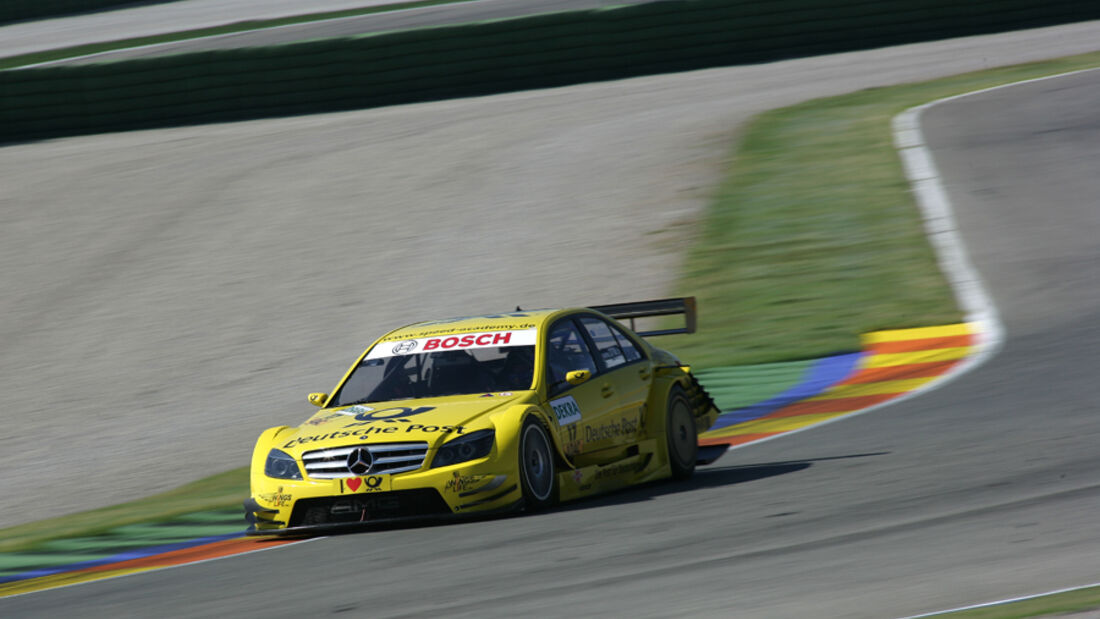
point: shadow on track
(710, 476)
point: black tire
(537, 470)
(680, 435)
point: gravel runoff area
(171, 293)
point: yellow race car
(485, 414)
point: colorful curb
(126, 550)
(120, 543)
(154, 558)
(892, 364)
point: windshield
(438, 373)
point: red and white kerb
(458, 341)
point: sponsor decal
(501, 338)
(506, 394)
(486, 395)
(405, 347)
(612, 429)
(462, 483)
(389, 415)
(426, 329)
(456, 341)
(591, 477)
(277, 498)
(573, 444)
(353, 411)
(316, 421)
(566, 410)
(370, 431)
(369, 484)
(361, 432)
(416, 427)
(616, 470)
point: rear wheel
(538, 478)
(680, 435)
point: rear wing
(644, 309)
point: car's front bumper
(283, 505)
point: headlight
(469, 447)
(281, 465)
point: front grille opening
(386, 458)
(367, 507)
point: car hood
(429, 419)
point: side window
(629, 349)
(566, 351)
(608, 346)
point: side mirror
(576, 377)
(318, 399)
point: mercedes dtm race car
(484, 414)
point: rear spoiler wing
(662, 307)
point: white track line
(1001, 602)
(939, 222)
(943, 233)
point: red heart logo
(354, 483)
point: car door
(625, 367)
(581, 411)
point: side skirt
(640, 468)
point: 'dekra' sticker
(566, 410)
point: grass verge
(21, 60)
(227, 489)
(812, 239)
(1082, 600)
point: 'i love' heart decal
(354, 483)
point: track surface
(169, 285)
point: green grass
(814, 238)
(227, 489)
(12, 62)
(1070, 602)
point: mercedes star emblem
(359, 461)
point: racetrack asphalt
(169, 284)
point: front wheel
(536, 466)
(680, 435)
